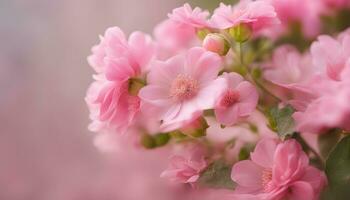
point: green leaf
(217, 175)
(327, 141)
(281, 121)
(338, 170)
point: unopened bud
(161, 139)
(241, 33)
(154, 141)
(197, 128)
(216, 43)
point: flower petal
(248, 174)
(263, 154)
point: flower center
(266, 178)
(183, 87)
(230, 98)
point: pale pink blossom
(331, 54)
(293, 72)
(277, 171)
(123, 60)
(180, 88)
(173, 37)
(195, 18)
(289, 11)
(113, 36)
(91, 95)
(331, 107)
(288, 66)
(238, 100)
(256, 14)
(186, 166)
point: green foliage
(336, 23)
(281, 121)
(295, 37)
(243, 154)
(338, 170)
(211, 4)
(217, 175)
(327, 141)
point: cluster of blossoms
(250, 88)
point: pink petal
(207, 96)
(227, 116)
(118, 69)
(263, 154)
(290, 162)
(155, 95)
(141, 47)
(202, 65)
(248, 174)
(315, 178)
(233, 79)
(248, 98)
(163, 73)
(301, 190)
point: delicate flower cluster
(214, 86)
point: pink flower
(182, 87)
(289, 11)
(256, 14)
(277, 171)
(192, 17)
(113, 105)
(113, 36)
(293, 72)
(331, 55)
(238, 100)
(288, 66)
(186, 168)
(172, 38)
(333, 100)
(138, 50)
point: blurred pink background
(46, 151)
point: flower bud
(216, 43)
(241, 33)
(154, 141)
(196, 128)
(161, 139)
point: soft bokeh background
(46, 151)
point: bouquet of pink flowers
(253, 98)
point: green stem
(310, 149)
(240, 47)
(251, 78)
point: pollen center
(266, 178)
(230, 98)
(183, 87)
